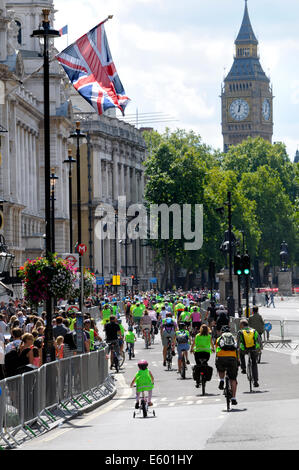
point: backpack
(182, 337)
(11, 362)
(169, 327)
(227, 342)
(249, 338)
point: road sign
(116, 280)
(72, 258)
(82, 249)
(153, 280)
(100, 281)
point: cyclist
(178, 309)
(146, 326)
(182, 336)
(256, 321)
(106, 313)
(202, 345)
(249, 341)
(144, 382)
(130, 339)
(167, 330)
(227, 360)
(113, 335)
(137, 313)
(196, 318)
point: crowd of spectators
(22, 336)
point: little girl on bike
(144, 382)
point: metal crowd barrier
(281, 334)
(36, 401)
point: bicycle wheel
(203, 385)
(144, 408)
(116, 363)
(183, 368)
(122, 358)
(227, 393)
(249, 372)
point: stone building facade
(116, 151)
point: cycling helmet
(130, 328)
(182, 325)
(225, 329)
(142, 365)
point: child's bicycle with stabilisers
(227, 392)
(143, 410)
(169, 355)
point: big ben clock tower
(247, 99)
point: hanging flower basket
(47, 277)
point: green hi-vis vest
(130, 337)
(202, 343)
(72, 323)
(143, 381)
(106, 313)
(91, 338)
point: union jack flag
(90, 67)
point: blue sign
(153, 280)
(268, 327)
(100, 281)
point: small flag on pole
(90, 67)
(63, 30)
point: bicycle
(146, 334)
(144, 408)
(202, 377)
(153, 335)
(138, 330)
(183, 366)
(249, 371)
(115, 350)
(131, 350)
(169, 354)
(227, 392)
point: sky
(172, 57)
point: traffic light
(237, 265)
(246, 264)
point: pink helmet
(142, 364)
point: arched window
(20, 32)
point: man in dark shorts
(227, 360)
(113, 335)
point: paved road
(265, 419)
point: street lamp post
(77, 136)
(53, 179)
(46, 33)
(70, 160)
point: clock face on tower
(239, 110)
(266, 109)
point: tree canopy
(263, 182)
